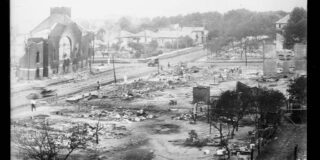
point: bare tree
(98, 127)
(47, 144)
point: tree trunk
(97, 137)
(232, 132)
(66, 157)
(228, 151)
(220, 131)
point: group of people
(235, 70)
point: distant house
(173, 32)
(282, 22)
(145, 36)
(56, 43)
(198, 34)
(164, 37)
(125, 38)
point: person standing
(195, 112)
(98, 85)
(33, 105)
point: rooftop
(284, 20)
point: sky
(26, 14)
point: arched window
(38, 57)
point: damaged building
(57, 45)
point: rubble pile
(185, 116)
(124, 115)
(86, 96)
(242, 148)
(137, 89)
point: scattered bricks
(137, 119)
(150, 116)
(173, 102)
(206, 151)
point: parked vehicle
(153, 62)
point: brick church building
(57, 45)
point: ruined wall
(300, 57)
(300, 51)
(86, 49)
(269, 67)
(201, 94)
(270, 59)
(279, 41)
(269, 50)
(28, 63)
(53, 48)
(301, 65)
(74, 33)
(287, 65)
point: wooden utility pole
(114, 70)
(245, 51)
(28, 61)
(93, 47)
(158, 67)
(263, 56)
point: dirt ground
(157, 136)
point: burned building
(57, 45)
(269, 59)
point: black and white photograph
(158, 79)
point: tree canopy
(298, 90)
(296, 29)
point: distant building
(280, 24)
(57, 45)
(163, 36)
(173, 32)
(145, 36)
(198, 34)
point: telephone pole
(28, 61)
(114, 70)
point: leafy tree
(217, 44)
(213, 34)
(234, 105)
(296, 29)
(268, 101)
(100, 34)
(137, 47)
(116, 46)
(159, 22)
(218, 122)
(125, 24)
(153, 45)
(298, 91)
(185, 41)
